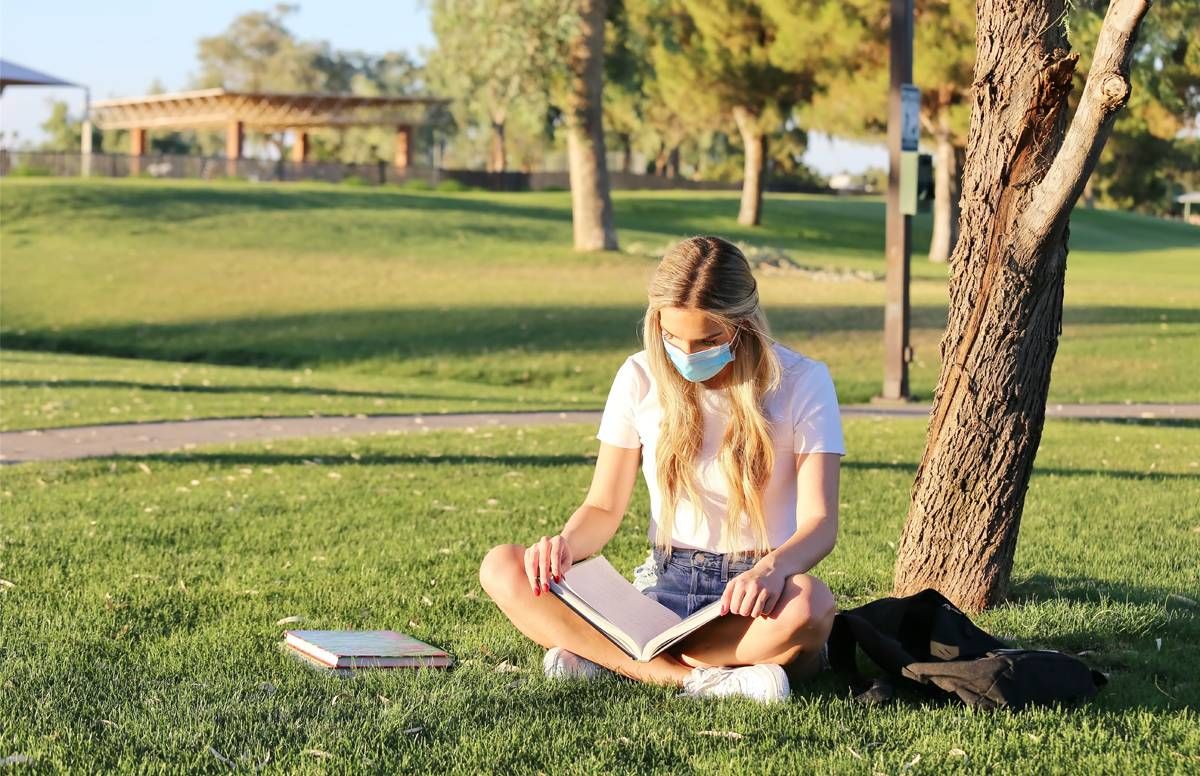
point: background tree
(1024, 171)
(944, 37)
(64, 133)
(626, 71)
(856, 75)
(257, 52)
(583, 110)
(493, 59)
(713, 61)
(1153, 153)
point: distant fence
(70, 164)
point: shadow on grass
(251, 458)
(336, 338)
(1168, 422)
(826, 222)
(1038, 588)
(1039, 471)
(230, 389)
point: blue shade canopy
(12, 74)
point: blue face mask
(700, 366)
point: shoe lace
(706, 678)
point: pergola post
(85, 149)
(235, 135)
(403, 157)
(137, 147)
(300, 147)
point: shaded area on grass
(346, 337)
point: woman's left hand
(754, 592)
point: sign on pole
(910, 137)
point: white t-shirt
(803, 416)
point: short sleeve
(818, 421)
(617, 425)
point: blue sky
(118, 48)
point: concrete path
(142, 438)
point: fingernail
(546, 587)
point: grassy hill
(136, 300)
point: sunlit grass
(124, 297)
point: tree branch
(1105, 92)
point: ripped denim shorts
(686, 580)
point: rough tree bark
(754, 142)
(945, 182)
(1024, 172)
(591, 205)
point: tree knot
(1114, 91)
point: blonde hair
(712, 275)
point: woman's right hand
(546, 559)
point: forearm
(588, 530)
(812, 541)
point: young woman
(739, 440)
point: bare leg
(791, 635)
(551, 623)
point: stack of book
(349, 650)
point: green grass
(139, 630)
(126, 296)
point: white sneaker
(560, 663)
(764, 682)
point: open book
(636, 623)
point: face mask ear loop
(733, 341)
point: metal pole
(896, 350)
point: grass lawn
(138, 617)
(134, 300)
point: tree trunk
(1023, 174)
(627, 155)
(672, 170)
(755, 144)
(945, 187)
(660, 161)
(498, 153)
(591, 205)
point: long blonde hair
(712, 275)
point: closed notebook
(366, 649)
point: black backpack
(924, 643)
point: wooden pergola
(238, 112)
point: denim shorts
(686, 580)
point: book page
(615, 598)
(684, 628)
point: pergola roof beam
(262, 111)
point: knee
(498, 568)
(811, 606)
